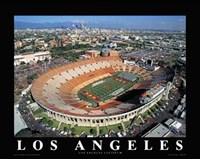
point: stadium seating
(58, 88)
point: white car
(124, 133)
(119, 134)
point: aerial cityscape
(100, 76)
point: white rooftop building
(19, 122)
(158, 131)
(31, 57)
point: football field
(105, 89)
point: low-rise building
(158, 131)
(113, 53)
(31, 57)
(93, 53)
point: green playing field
(105, 89)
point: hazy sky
(143, 21)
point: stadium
(100, 91)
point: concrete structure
(19, 121)
(24, 92)
(158, 131)
(113, 53)
(56, 92)
(18, 44)
(85, 56)
(149, 62)
(100, 121)
(167, 90)
(131, 63)
(31, 57)
(105, 52)
(93, 53)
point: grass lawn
(160, 103)
(138, 121)
(45, 120)
(115, 127)
(103, 130)
(79, 129)
(145, 114)
(41, 115)
(153, 109)
(55, 123)
(127, 123)
(106, 129)
(38, 111)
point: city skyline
(128, 22)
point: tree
(20, 86)
(22, 63)
(38, 61)
(26, 66)
(101, 131)
(36, 49)
(73, 131)
(32, 77)
(50, 123)
(120, 127)
(19, 92)
(46, 60)
(162, 63)
(93, 131)
(44, 120)
(65, 129)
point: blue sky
(143, 22)
(41, 19)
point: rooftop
(19, 121)
(158, 131)
(169, 122)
